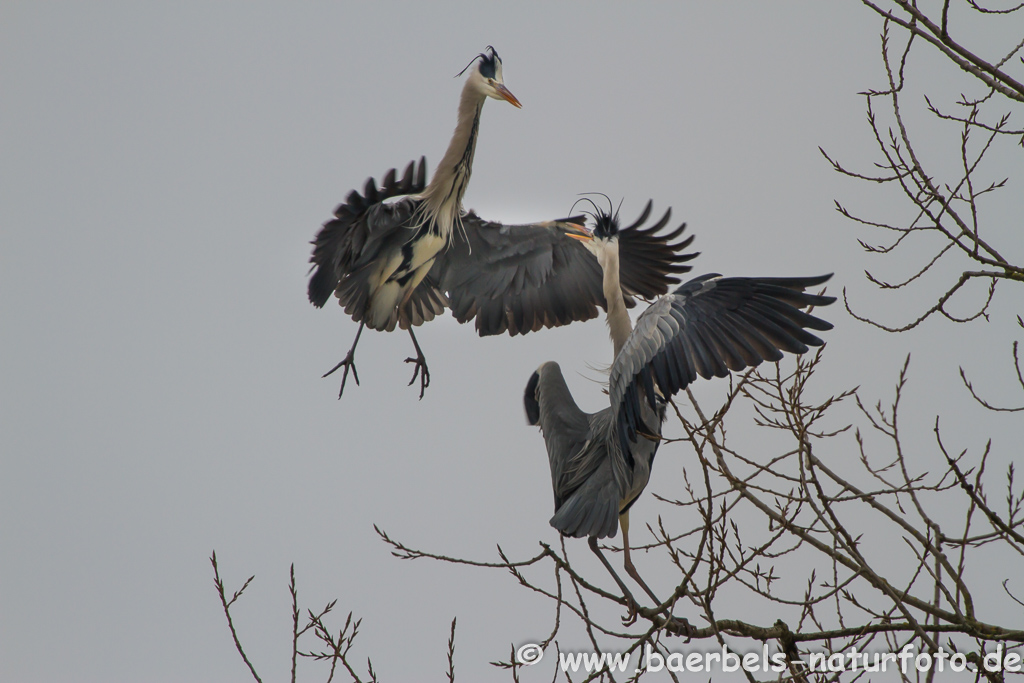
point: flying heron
(709, 326)
(401, 254)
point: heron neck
(443, 196)
(619, 324)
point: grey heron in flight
(399, 255)
(709, 326)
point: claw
(420, 371)
(631, 615)
(349, 363)
(687, 628)
(631, 603)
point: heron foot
(349, 363)
(686, 628)
(633, 612)
(420, 371)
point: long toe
(420, 370)
(344, 378)
(350, 365)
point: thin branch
(226, 604)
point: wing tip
(530, 402)
(321, 286)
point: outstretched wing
(520, 278)
(361, 226)
(647, 260)
(517, 278)
(709, 327)
(586, 492)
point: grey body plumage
(594, 480)
(708, 327)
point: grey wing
(709, 327)
(648, 259)
(518, 278)
(521, 278)
(565, 427)
(586, 493)
(361, 227)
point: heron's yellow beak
(507, 95)
(583, 234)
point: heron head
(606, 223)
(487, 78)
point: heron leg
(421, 366)
(631, 570)
(349, 362)
(627, 562)
(630, 618)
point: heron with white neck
(710, 326)
(400, 254)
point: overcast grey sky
(163, 167)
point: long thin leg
(421, 366)
(627, 562)
(630, 618)
(631, 570)
(349, 362)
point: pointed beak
(507, 95)
(578, 232)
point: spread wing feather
(361, 226)
(648, 260)
(709, 327)
(518, 278)
(521, 278)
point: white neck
(442, 198)
(619, 324)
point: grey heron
(709, 326)
(401, 254)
